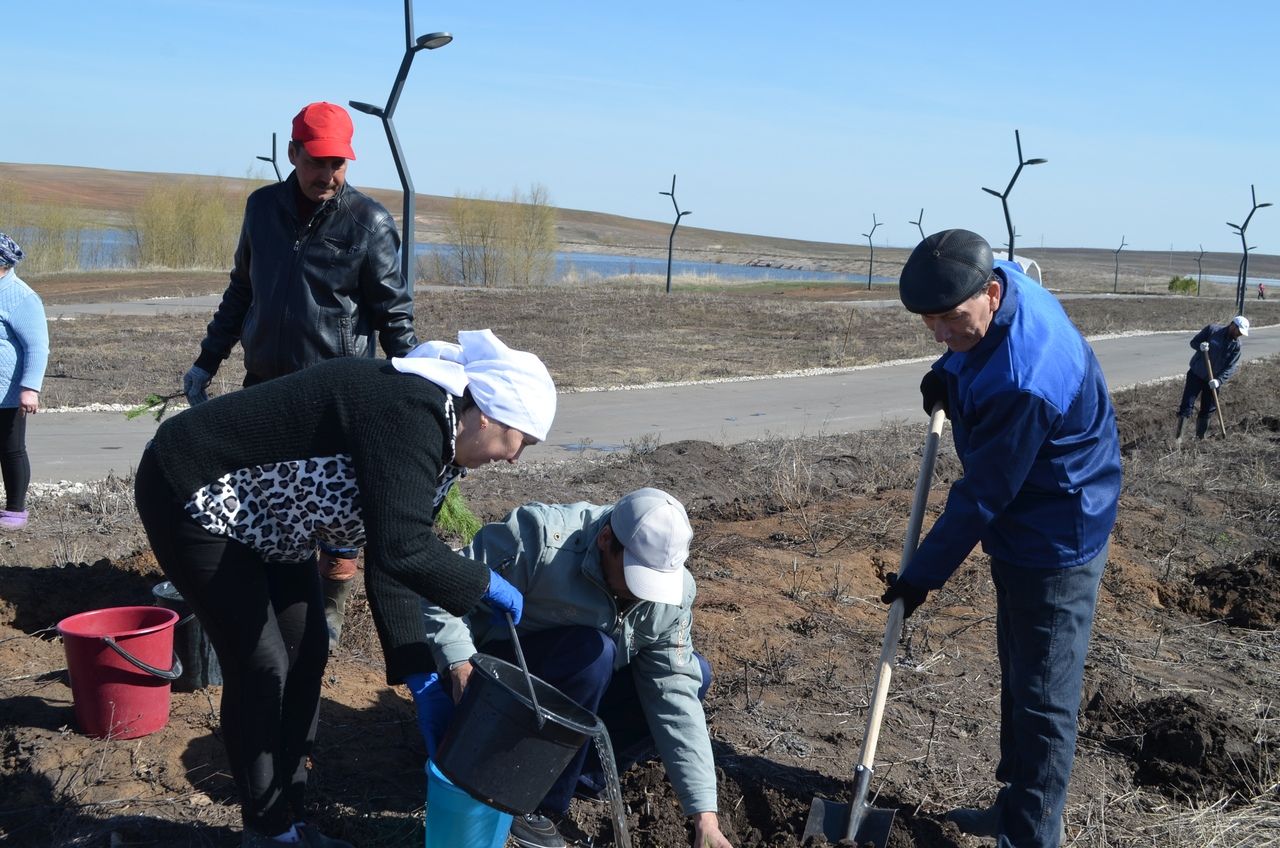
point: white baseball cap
(1243, 323)
(654, 530)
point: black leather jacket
(305, 291)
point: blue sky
(796, 119)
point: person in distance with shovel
(1220, 344)
(608, 621)
(1036, 434)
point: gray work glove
(1215, 383)
(1204, 347)
(195, 385)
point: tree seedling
(156, 405)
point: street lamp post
(1242, 281)
(431, 41)
(1199, 270)
(872, 260)
(671, 240)
(917, 222)
(1004, 196)
(1115, 280)
(272, 158)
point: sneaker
(313, 838)
(10, 520)
(976, 822)
(309, 837)
(536, 831)
(987, 823)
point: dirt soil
(792, 542)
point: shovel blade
(830, 820)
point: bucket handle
(172, 674)
(515, 641)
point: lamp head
(432, 40)
(990, 191)
(1263, 205)
(367, 108)
(1035, 161)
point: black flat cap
(944, 270)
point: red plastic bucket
(121, 664)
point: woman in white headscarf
(235, 493)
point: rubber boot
(1177, 437)
(335, 608)
(1202, 426)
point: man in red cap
(316, 275)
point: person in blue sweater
(1036, 434)
(1220, 343)
(24, 353)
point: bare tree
(530, 232)
(491, 242)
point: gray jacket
(549, 553)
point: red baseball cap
(324, 130)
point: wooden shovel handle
(1208, 367)
(893, 628)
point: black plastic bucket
(494, 748)
(200, 666)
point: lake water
(114, 248)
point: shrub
(499, 243)
(1182, 285)
(48, 235)
(185, 225)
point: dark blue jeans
(579, 662)
(1043, 619)
(1194, 387)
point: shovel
(858, 823)
(1208, 367)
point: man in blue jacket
(608, 620)
(1221, 344)
(1036, 433)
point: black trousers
(266, 623)
(15, 466)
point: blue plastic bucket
(456, 820)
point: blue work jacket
(1036, 433)
(1224, 353)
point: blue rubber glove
(435, 708)
(503, 598)
(195, 385)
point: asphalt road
(83, 446)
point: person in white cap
(608, 621)
(235, 493)
(1222, 344)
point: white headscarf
(512, 387)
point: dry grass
(590, 336)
